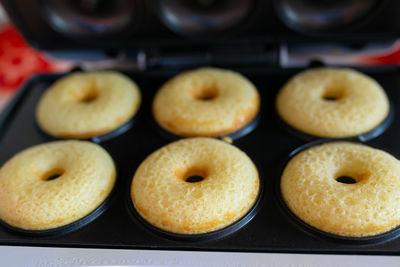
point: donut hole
(90, 97)
(52, 174)
(193, 175)
(194, 179)
(206, 93)
(333, 94)
(352, 171)
(344, 179)
(86, 95)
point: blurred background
(18, 61)
(64, 49)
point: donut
(332, 102)
(207, 102)
(54, 184)
(86, 104)
(343, 188)
(178, 188)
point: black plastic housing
(145, 26)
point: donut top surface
(195, 186)
(53, 184)
(332, 102)
(83, 105)
(312, 188)
(206, 102)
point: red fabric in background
(390, 57)
(18, 61)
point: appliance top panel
(130, 24)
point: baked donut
(342, 188)
(206, 102)
(54, 184)
(83, 105)
(332, 102)
(180, 190)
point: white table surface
(45, 256)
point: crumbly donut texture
(83, 105)
(332, 102)
(163, 197)
(368, 207)
(29, 201)
(206, 102)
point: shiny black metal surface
(268, 145)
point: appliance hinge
(246, 56)
(218, 56)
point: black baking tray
(269, 145)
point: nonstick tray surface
(268, 145)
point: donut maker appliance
(153, 40)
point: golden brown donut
(164, 195)
(311, 189)
(206, 102)
(86, 104)
(31, 198)
(332, 102)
